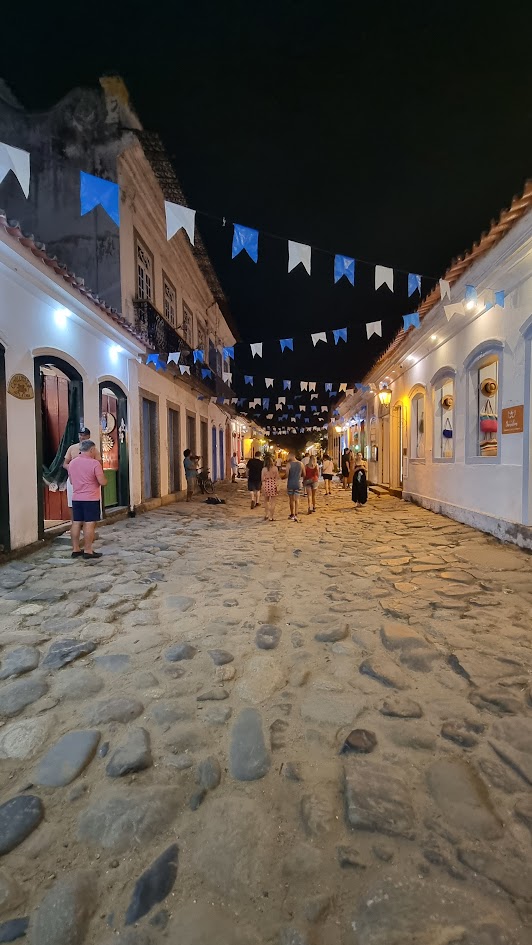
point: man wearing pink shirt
(86, 475)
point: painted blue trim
(490, 346)
(441, 374)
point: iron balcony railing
(163, 338)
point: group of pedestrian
(302, 478)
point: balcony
(160, 336)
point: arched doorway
(4, 484)
(214, 472)
(58, 419)
(114, 446)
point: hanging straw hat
(489, 386)
(447, 402)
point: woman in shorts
(327, 471)
(269, 477)
(311, 475)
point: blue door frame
(214, 475)
(222, 463)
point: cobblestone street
(236, 732)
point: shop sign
(20, 386)
(513, 419)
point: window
(417, 432)
(144, 273)
(187, 325)
(202, 338)
(215, 358)
(486, 385)
(170, 301)
(444, 419)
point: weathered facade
(455, 435)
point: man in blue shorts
(293, 485)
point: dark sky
(393, 135)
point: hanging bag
(447, 430)
(488, 419)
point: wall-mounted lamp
(385, 396)
(61, 316)
(338, 429)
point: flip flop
(93, 556)
(77, 554)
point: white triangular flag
(313, 396)
(304, 385)
(312, 385)
(325, 410)
(184, 368)
(18, 161)
(278, 406)
(342, 387)
(173, 356)
(302, 407)
(373, 328)
(269, 381)
(177, 218)
(227, 377)
(319, 336)
(281, 400)
(445, 289)
(455, 309)
(234, 400)
(383, 276)
(298, 253)
(269, 416)
(256, 348)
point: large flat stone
(76, 683)
(329, 708)
(66, 651)
(64, 914)
(119, 709)
(21, 739)
(249, 759)
(179, 603)
(261, 678)
(67, 758)
(400, 636)
(463, 799)
(154, 885)
(133, 754)
(19, 661)
(384, 671)
(119, 819)
(378, 800)
(505, 871)
(15, 696)
(18, 818)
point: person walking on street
(71, 453)
(191, 473)
(254, 467)
(359, 491)
(87, 477)
(269, 477)
(293, 486)
(327, 471)
(234, 467)
(346, 457)
(311, 475)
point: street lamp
(338, 429)
(385, 396)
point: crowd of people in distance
(302, 478)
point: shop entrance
(114, 446)
(4, 485)
(385, 450)
(58, 419)
(174, 450)
(396, 482)
(214, 476)
(221, 459)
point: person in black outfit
(359, 491)
(346, 460)
(254, 467)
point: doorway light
(61, 316)
(114, 351)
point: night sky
(390, 135)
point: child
(327, 471)
(359, 491)
(269, 477)
(310, 481)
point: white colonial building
(446, 419)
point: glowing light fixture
(114, 351)
(61, 317)
(385, 396)
(433, 337)
(338, 429)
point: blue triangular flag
(198, 355)
(499, 298)
(95, 191)
(287, 385)
(229, 352)
(266, 403)
(245, 238)
(344, 266)
(152, 359)
(287, 343)
(340, 334)
(206, 372)
(411, 321)
(248, 379)
(328, 387)
(414, 283)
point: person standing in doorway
(254, 468)
(311, 475)
(346, 460)
(86, 475)
(327, 471)
(269, 477)
(293, 486)
(359, 491)
(234, 467)
(71, 453)
(191, 473)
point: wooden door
(54, 421)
